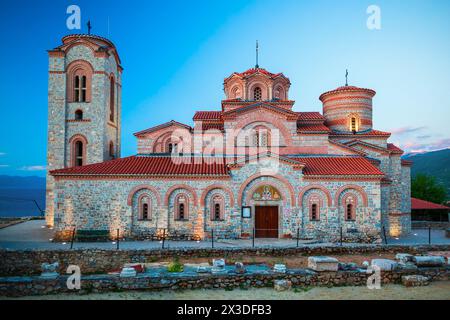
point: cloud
(33, 168)
(405, 130)
(414, 146)
(4, 165)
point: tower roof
(347, 89)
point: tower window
(78, 115)
(314, 211)
(353, 124)
(79, 80)
(77, 88)
(349, 212)
(257, 94)
(111, 150)
(78, 153)
(83, 89)
(111, 100)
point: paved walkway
(34, 235)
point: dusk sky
(176, 54)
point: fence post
(73, 237)
(253, 238)
(212, 238)
(298, 235)
(429, 236)
(118, 239)
(384, 235)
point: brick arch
(359, 189)
(180, 186)
(216, 186)
(72, 141)
(263, 183)
(142, 187)
(79, 67)
(311, 187)
(286, 183)
(262, 117)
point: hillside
(436, 163)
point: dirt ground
(435, 291)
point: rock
(323, 264)
(408, 266)
(384, 264)
(128, 273)
(219, 263)
(347, 266)
(279, 268)
(429, 261)
(404, 257)
(239, 268)
(415, 281)
(282, 285)
(49, 270)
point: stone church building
(253, 166)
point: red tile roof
(364, 133)
(162, 126)
(419, 204)
(338, 166)
(310, 116)
(256, 70)
(151, 166)
(347, 89)
(394, 149)
(312, 128)
(207, 115)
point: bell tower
(84, 106)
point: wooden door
(266, 222)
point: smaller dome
(371, 93)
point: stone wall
(28, 286)
(20, 263)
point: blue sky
(177, 53)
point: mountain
(435, 163)
(17, 196)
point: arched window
(217, 207)
(314, 207)
(172, 148)
(111, 150)
(144, 204)
(314, 211)
(353, 124)
(79, 150)
(257, 94)
(349, 203)
(261, 137)
(78, 115)
(111, 99)
(181, 207)
(79, 75)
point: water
(18, 202)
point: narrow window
(76, 93)
(217, 211)
(349, 211)
(257, 94)
(111, 101)
(145, 211)
(181, 211)
(111, 150)
(83, 89)
(78, 115)
(78, 153)
(353, 124)
(314, 212)
(170, 148)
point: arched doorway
(266, 199)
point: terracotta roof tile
(419, 204)
(207, 115)
(338, 166)
(310, 116)
(212, 126)
(362, 133)
(152, 166)
(162, 126)
(394, 149)
(312, 128)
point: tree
(426, 188)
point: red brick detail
(276, 176)
(216, 186)
(72, 141)
(351, 187)
(80, 68)
(312, 187)
(183, 187)
(144, 187)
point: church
(253, 167)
